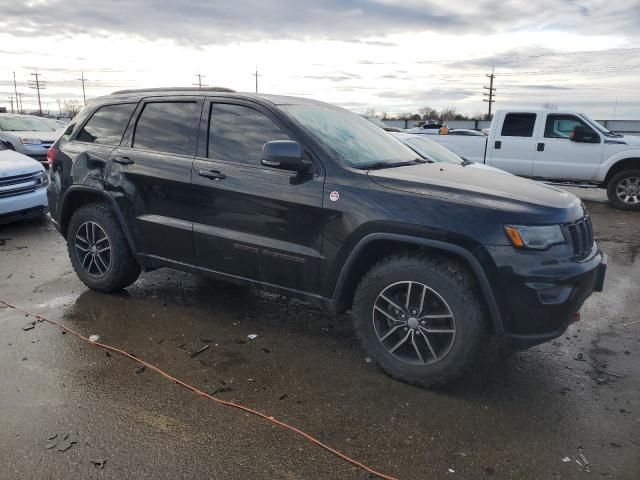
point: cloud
(197, 22)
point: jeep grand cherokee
(312, 201)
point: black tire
(122, 269)
(453, 284)
(615, 183)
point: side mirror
(283, 154)
(584, 135)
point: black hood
(479, 187)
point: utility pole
(59, 107)
(38, 85)
(200, 77)
(491, 93)
(256, 75)
(21, 107)
(15, 88)
(11, 100)
(84, 95)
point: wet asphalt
(67, 410)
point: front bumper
(539, 295)
(21, 207)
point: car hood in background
(14, 163)
(474, 185)
(44, 136)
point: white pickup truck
(557, 146)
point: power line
(200, 77)
(491, 93)
(38, 85)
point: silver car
(28, 134)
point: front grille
(19, 184)
(580, 234)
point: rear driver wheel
(99, 251)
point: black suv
(312, 201)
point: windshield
(25, 124)
(597, 126)
(354, 140)
(431, 150)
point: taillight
(51, 155)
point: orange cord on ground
(308, 437)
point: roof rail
(174, 89)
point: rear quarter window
(107, 125)
(518, 125)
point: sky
(387, 55)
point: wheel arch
(620, 165)
(376, 246)
(78, 196)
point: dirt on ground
(568, 409)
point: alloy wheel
(414, 323)
(628, 190)
(93, 248)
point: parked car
(426, 129)
(22, 187)
(312, 201)
(467, 132)
(28, 134)
(558, 146)
(427, 148)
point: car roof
(137, 94)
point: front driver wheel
(420, 318)
(99, 251)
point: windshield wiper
(381, 165)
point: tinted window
(518, 125)
(167, 127)
(561, 126)
(237, 133)
(107, 124)
(354, 140)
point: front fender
(462, 253)
(611, 161)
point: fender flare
(456, 250)
(614, 159)
(94, 191)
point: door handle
(123, 160)
(212, 174)
(497, 145)
(540, 147)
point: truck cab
(556, 145)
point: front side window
(561, 126)
(107, 125)
(518, 124)
(238, 133)
(353, 139)
(167, 127)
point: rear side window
(237, 133)
(107, 124)
(167, 127)
(518, 125)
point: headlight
(43, 179)
(30, 141)
(537, 237)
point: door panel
(514, 145)
(253, 221)
(258, 223)
(152, 169)
(559, 157)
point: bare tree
(448, 114)
(71, 107)
(428, 113)
(370, 112)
